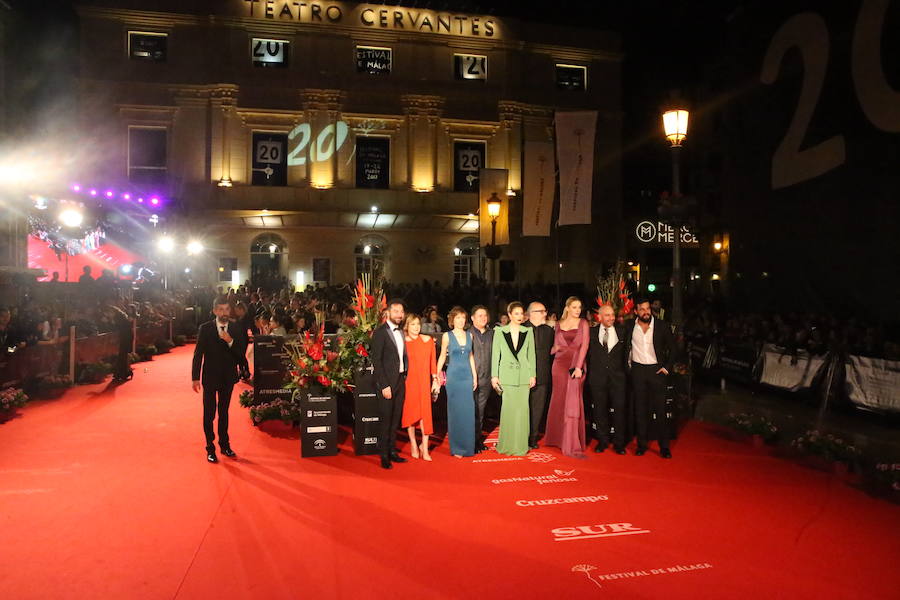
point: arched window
(268, 261)
(371, 253)
(466, 260)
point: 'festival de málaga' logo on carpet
(585, 532)
(536, 457)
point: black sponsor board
(366, 416)
(270, 368)
(318, 423)
(373, 162)
(737, 361)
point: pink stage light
(93, 192)
(154, 201)
(141, 200)
(126, 196)
(76, 188)
(109, 194)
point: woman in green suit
(513, 375)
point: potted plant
(760, 429)
(10, 399)
(179, 340)
(146, 351)
(91, 373)
(52, 386)
(164, 346)
(828, 451)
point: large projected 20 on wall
(306, 144)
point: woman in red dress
(421, 379)
(565, 419)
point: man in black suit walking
(482, 342)
(606, 376)
(219, 350)
(389, 364)
(651, 351)
(543, 362)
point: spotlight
(457, 251)
(126, 196)
(154, 201)
(194, 247)
(141, 200)
(273, 248)
(166, 244)
(367, 249)
(374, 208)
(76, 188)
(471, 215)
(71, 217)
(109, 194)
(126, 269)
(187, 269)
(40, 202)
(93, 192)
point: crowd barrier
(60, 356)
(869, 383)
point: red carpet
(106, 493)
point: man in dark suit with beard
(220, 349)
(543, 362)
(650, 346)
(389, 364)
(606, 378)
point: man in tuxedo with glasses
(219, 351)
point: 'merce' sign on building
(370, 16)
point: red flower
(370, 300)
(323, 380)
(621, 284)
(301, 363)
(315, 352)
(331, 356)
(294, 373)
(361, 350)
(315, 368)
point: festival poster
(540, 185)
(493, 181)
(575, 154)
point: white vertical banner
(575, 155)
(493, 182)
(539, 187)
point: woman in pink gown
(565, 419)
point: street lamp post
(492, 250)
(675, 123)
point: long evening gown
(417, 401)
(460, 397)
(565, 419)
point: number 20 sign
(303, 146)
(879, 102)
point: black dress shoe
(620, 450)
(229, 453)
(665, 453)
(600, 448)
(211, 457)
(640, 451)
(482, 447)
(386, 462)
(397, 458)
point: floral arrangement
(92, 372)
(146, 351)
(611, 292)
(753, 425)
(12, 398)
(164, 346)
(49, 382)
(888, 475)
(828, 446)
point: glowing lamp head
(126, 269)
(93, 192)
(165, 244)
(717, 246)
(126, 196)
(194, 247)
(367, 249)
(457, 251)
(154, 201)
(493, 205)
(141, 200)
(76, 188)
(187, 270)
(108, 194)
(71, 217)
(675, 124)
(273, 248)
(715, 277)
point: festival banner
(493, 181)
(873, 382)
(793, 372)
(540, 185)
(575, 155)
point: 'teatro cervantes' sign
(374, 16)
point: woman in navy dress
(462, 380)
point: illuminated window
(147, 154)
(374, 60)
(370, 254)
(269, 158)
(269, 53)
(470, 66)
(143, 45)
(466, 260)
(468, 159)
(226, 266)
(571, 77)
